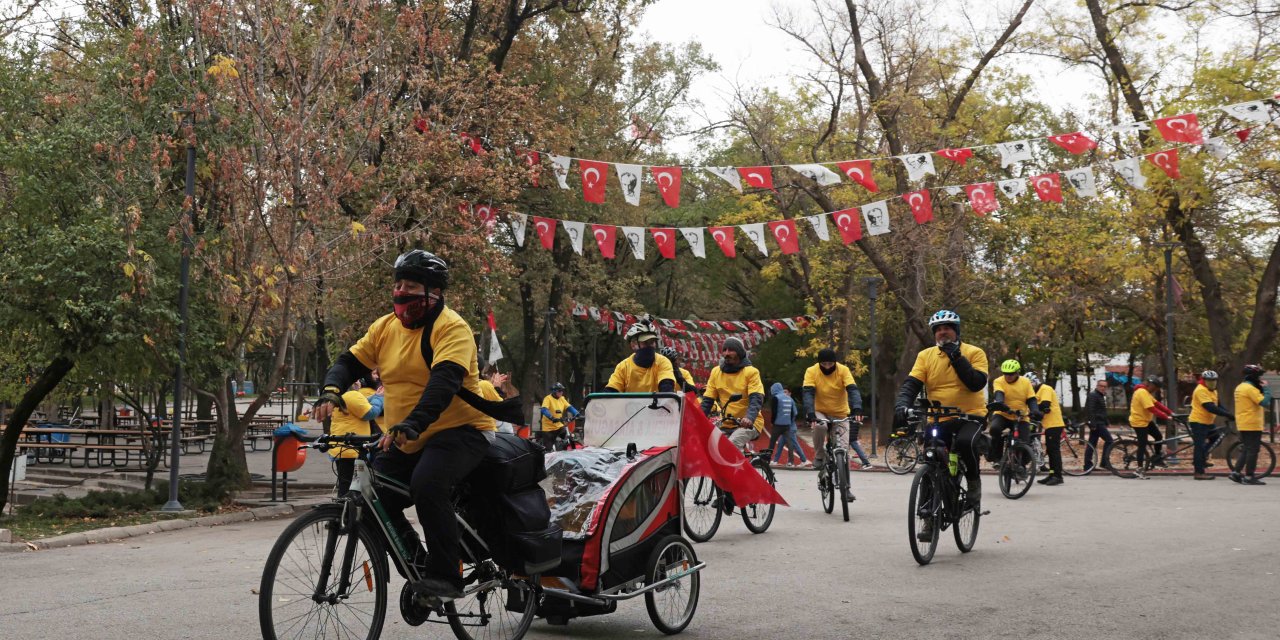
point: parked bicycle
(1121, 456)
(705, 503)
(1077, 457)
(833, 477)
(938, 499)
(903, 451)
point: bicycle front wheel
(702, 508)
(322, 581)
(922, 515)
(901, 455)
(842, 481)
(758, 517)
(1266, 459)
(826, 487)
(1017, 471)
(1121, 457)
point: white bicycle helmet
(640, 330)
(1033, 378)
(945, 316)
(1209, 374)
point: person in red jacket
(1143, 409)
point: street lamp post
(872, 293)
(546, 358)
(184, 271)
(1171, 376)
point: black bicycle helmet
(557, 387)
(1252, 371)
(423, 267)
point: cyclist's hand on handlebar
(744, 423)
(400, 434)
(900, 417)
(998, 406)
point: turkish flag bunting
(921, 205)
(473, 143)
(546, 228)
(679, 324)
(606, 238)
(1167, 161)
(759, 177)
(1076, 143)
(487, 215)
(779, 325)
(666, 241)
(848, 221)
(1183, 128)
(784, 231)
(593, 179)
(534, 162)
(1243, 134)
(668, 179)
(724, 237)
(958, 156)
(982, 197)
(707, 324)
(754, 326)
(1048, 187)
(859, 171)
(728, 325)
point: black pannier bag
(511, 464)
(510, 509)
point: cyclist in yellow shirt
(955, 375)
(1010, 392)
(1143, 409)
(645, 370)
(426, 355)
(1251, 396)
(736, 375)
(684, 381)
(361, 405)
(556, 411)
(1047, 399)
(1204, 406)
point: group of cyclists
(438, 418)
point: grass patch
(59, 514)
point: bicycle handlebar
(349, 441)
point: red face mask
(412, 309)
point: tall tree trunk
(56, 370)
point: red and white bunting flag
(859, 171)
(1048, 187)
(666, 241)
(1183, 128)
(534, 162)
(724, 238)
(575, 230)
(921, 203)
(1167, 161)
(778, 324)
(728, 325)
(546, 228)
(606, 238)
(958, 156)
(784, 232)
(1075, 143)
(668, 179)
(1243, 134)
(593, 180)
(982, 197)
(848, 221)
(758, 177)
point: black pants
(550, 440)
(998, 426)
(962, 436)
(1250, 443)
(1150, 432)
(346, 470)
(1200, 433)
(432, 474)
(1053, 445)
(1096, 433)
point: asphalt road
(1097, 558)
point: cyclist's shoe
(1207, 464)
(926, 534)
(996, 465)
(1140, 474)
(727, 504)
(867, 467)
(1089, 468)
(439, 588)
(1235, 477)
(1052, 481)
(1044, 480)
(1159, 461)
(1252, 480)
(807, 464)
(848, 496)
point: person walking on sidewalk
(1251, 396)
(1204, 406)
(1095, 410)
(784, 411)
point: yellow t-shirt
(557, 407)
(397, 354)
(746, 381)
(829, 395)
(1016, 394)
(349, 420)
(942, 384)
(488, 392)
(1248, 407)
(1052, 417)
(1140, 414)
(628, 377)
(688, 378)
(1201, 395)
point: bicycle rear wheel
(922, 513)
(1266, 459)
(702, 513)
(671, 607)
(1121, 457)
(498, 606)
(842, 481)
(1017, 471)
(758, 517)
(966, 527)
(826, 487)
(1075, 456)
(303, 594)
(901, 455)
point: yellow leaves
(147, 339)
(356, 229)
(223, 66)
(129, 269)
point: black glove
(900, 417)
(332, 396)
(952, 349)
(1037, 416)
(403, 428)
(998, 406)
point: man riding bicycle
(955, 375)
(735, 375)
(1143, 409)
(645, 370)
(1204, 406)
(1011, 393)
(684, 380)
(830, 393)
(426, 355)
(556, 411)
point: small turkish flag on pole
(1075, 143)
(847, 221)
(1167, 161)
(546, 228)
(1048, 187)
(859, 171)
(593, 179)
(1183, 128)
(666, 241)
(921, 205)
(534, 162)
(668, 179)
(784, 232)
(724, 237)
(982, 197)
(759, 177)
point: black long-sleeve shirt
(1095, 409)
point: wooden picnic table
(101, 443)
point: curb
(109, 534)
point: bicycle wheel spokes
(1122, 458)
(1075, 455)
(966, 527)
(826, 488)
(702, 511)
(758, 517)
(922, 515)
(302, 597)
(901, 455)
(502, 608)
(1018, 471)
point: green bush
(108, 504)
